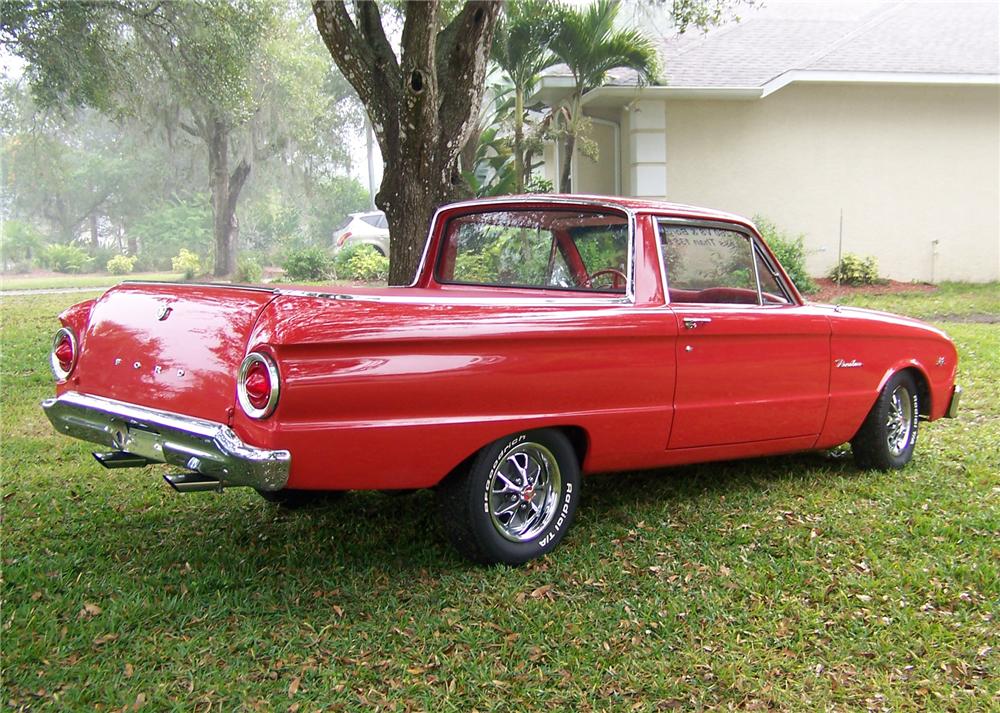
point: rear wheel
(888, 436)
(516, 500)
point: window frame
(604, 295)
(756, 249)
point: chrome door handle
(692, 322)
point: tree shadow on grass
(241, 544)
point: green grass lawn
(792, 583)
(82, 281)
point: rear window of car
(545, 249)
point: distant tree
(590, 45)
(243, 78)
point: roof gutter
(551, 90)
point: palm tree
(521, 50)
(590, 46)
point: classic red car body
(396, 387)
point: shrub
(121, 264)
(248, 269)
(307, 264)
(67, 258)
(187, 262)
(790, 251)
(537, 184)
(856, 270)
(368, 265)
(341, 260)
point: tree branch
(190, 129)
(463, 50)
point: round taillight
(64, 353)
(257, 385)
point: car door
(752, 363)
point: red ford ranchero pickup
(544, 337)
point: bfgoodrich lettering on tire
(886, 439)
(516, 500)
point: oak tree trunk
(421, 105)
(225, 189)
(95, 238)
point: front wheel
(888, 436)
(516, 501)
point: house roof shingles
(893, 37)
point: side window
(383, 222)
(771, 292)
(708, 265)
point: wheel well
(923, 390)
(578, 439)
(576, 435)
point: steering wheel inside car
(617, 283)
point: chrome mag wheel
(900, 420)
(524, 492)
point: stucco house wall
(914, 169)
(884, 113)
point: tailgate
(170, 347)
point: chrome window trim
(759, 251)
(174, 283)
(630, 213)
(57, 371)
(510, 301)
(719, 225)
(241, 391)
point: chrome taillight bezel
(241, 391)
(57, 370)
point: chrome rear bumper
(956, 396)
(206, 447)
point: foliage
(521, 50)
(248, 270)
(856, 270)
(66, 258)
(333, 198)
(245, 79)
(121, 264)
(698, 587)
(790, 251)
(538, 184)
(173, 225)
(368, 265)
(339, 264)
(19, 242)
(309, 264)
(187, 263)
(590, 44)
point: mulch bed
(830, 290)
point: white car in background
(363, 229)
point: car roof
(631, 204)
